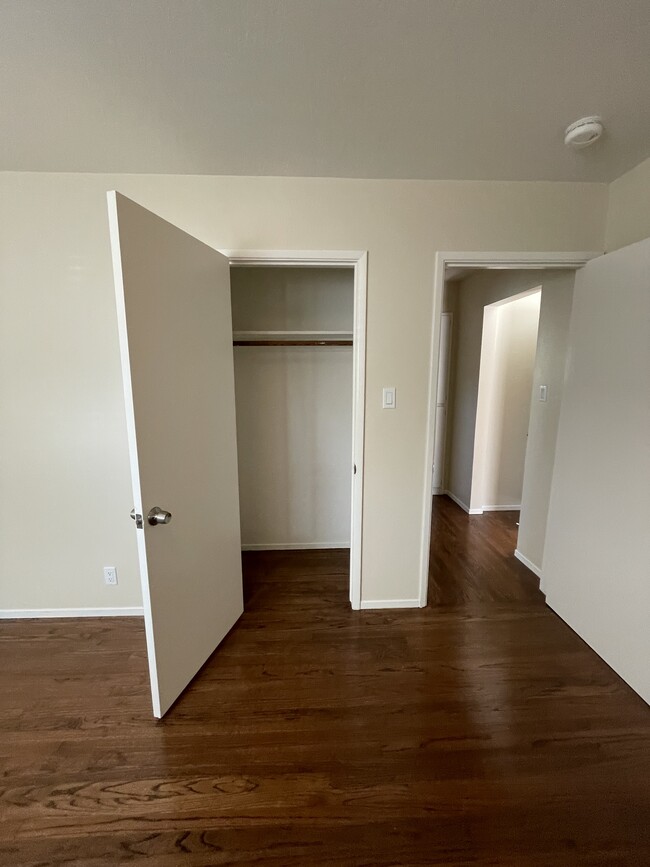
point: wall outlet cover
(110, 575)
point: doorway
(457, 361)
(304, 311)
(293, 332)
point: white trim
(480, 511)
(535, 569)
(295, 258)
(463, 506)
(464, 260)
(358, 260)
(39, 613)
(520, 261)
(358, 426)
(293, 546)
(369, 604)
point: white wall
(628, 212)
(468, 300)
(596, 569)
(294, 408)
(63, 436)
(505, 383)
(550, 363)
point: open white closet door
(173, 308)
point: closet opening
(298, 331)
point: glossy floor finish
(479, 731)
(472, 562)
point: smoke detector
(583, 132)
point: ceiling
(444, 89)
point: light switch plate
(543, 392)
(388, 398)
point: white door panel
(596, 567)
(439, 449)
(173, 305)
(444, 353)
(440, 430)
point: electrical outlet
(110, 575)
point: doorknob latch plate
(156, 516)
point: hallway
(472, 560)
(479, 730)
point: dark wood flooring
(480, 730)
(472, 562)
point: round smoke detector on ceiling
(583, 132)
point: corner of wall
(627, 217)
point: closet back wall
(294, 409)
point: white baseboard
(466, 508)
(534, 569)
(293, 546)
(463, 506)
(368, 604)
(38, 613)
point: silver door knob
(158, 516)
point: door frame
(358, 261)
(465, 259)
(439, 489)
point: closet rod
(292, 343)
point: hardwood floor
(472, 562)
(478, 731)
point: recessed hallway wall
(504, 396)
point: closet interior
(292, 337)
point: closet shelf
(292, 338)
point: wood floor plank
(480, 730)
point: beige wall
(64, 441)
(292, 299)
(472, 295)
(550, 363)
(596, 569)
(628, 213)
(294, 445)
(505, 385)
